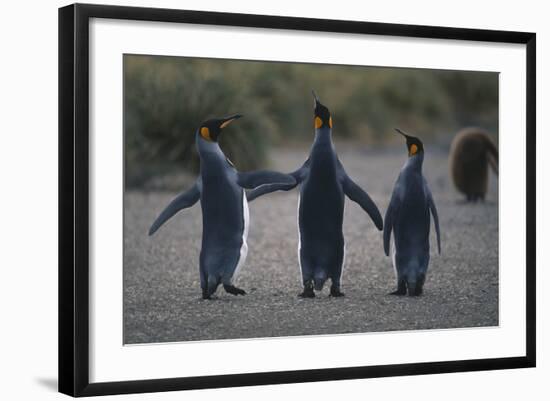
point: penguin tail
(415, 287)
(213, 283)
(319, 284)
(319, 281)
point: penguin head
(210, 130)
(414, 145)
(321, 114)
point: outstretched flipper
(182, 201)
(299, 175)
(389, 219)
(433, 209)
(255, 179)
(356, 194)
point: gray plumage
(324, 182)
(224, 209)
(408, 217)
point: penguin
(408, 216)
(323, 185)
(225, 217)
(471, 151)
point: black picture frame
(74, 198)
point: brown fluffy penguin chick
(471, 152)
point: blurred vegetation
(166, 98)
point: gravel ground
(162, 296)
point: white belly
(244, 246)
(299, 240)
(344, 257)
(393, 257)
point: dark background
(166, 98)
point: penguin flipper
(389, 219)
(433, 209)
(182, 201)
(356, 194)
(267, 189)
(254, 179)
(298, 175)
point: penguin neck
(209, 152)
(414, 163)
(323, 139)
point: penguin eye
(205, 133)
(413, 150)
(318, 122)
(330, 122)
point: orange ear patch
(205, 133)
(330, 122)
(413, 149)
(318, 122)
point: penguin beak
(228, 120)
(315, 98)
(401, 132)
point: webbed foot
(233, 290)
(308, 293)
(335, 292)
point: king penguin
(408, 216)
(324, 183)
(224, 209)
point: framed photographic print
(249, 199)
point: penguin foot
(415, 292)
(335, 292)
(208, 295)
(308, 293)
(233, 290)
(401, 288)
